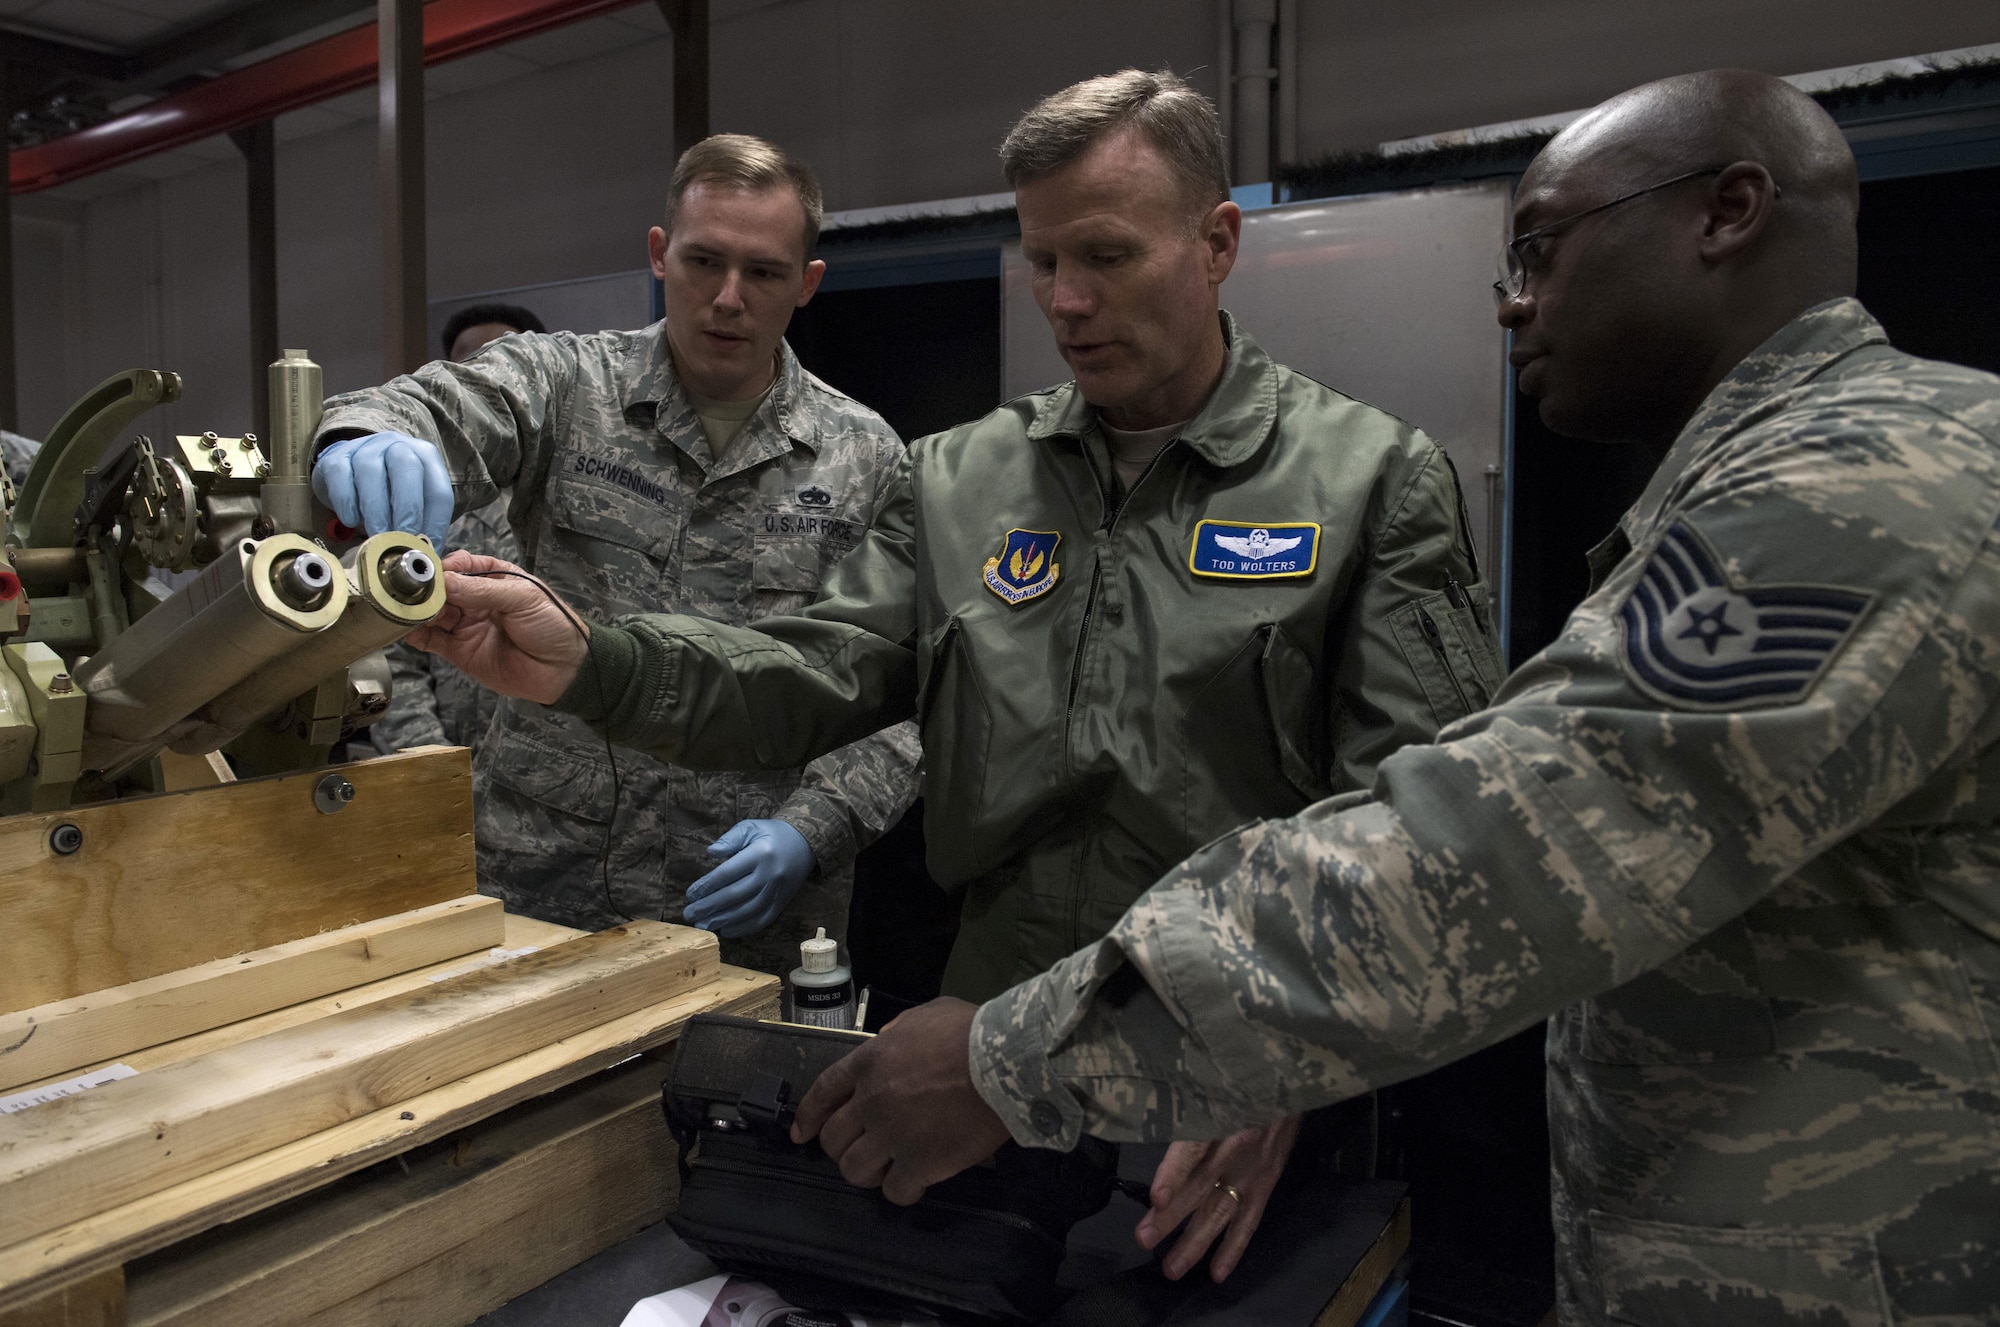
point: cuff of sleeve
(824, 825)
(606, 673)
(1009, 1053)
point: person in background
(17, 456)
(693, 466)
(432, 703)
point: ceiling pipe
(298, 78)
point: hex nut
(333, 794)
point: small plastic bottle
(820, 992)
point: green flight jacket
(1129, 688)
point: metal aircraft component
(273, 648)
(163, 511)
(242, 612)
(297, 397)
(377, 612)
(409, 576)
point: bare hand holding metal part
(506, 630)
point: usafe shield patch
(1697, 640)
(1253, 551)
(1026, 567)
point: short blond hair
(1178, 121)
(741, 161)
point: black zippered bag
(985, 1243)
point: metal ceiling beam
(326, 68)
(400, 154)
(243, 30)
(688, 20)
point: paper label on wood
(69, 1087)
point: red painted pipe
(326, 68)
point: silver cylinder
(376, 614)
(220, 628)
(297, 401)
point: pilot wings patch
(1250, 551)
(1696, 640)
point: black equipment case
(985, 1243)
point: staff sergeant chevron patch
(1696, 640)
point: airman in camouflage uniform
(1781, 884)
(621, 507)
(432, 703)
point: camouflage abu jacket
(619, 505)
(432, 703)
(1743, 811)
(1284, 598)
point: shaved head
(1662, 129)
(1632, 314)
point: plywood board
(68, 1158)
(182, 878)
(109, 1238)
(49, 1039)
(465, 1225)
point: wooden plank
(468, 1223)
(66, 1159)
(182, 878)
(49, 1039)
(94, 1301)
(521, 932)
(111, 1237)
(1358, 1291)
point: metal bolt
(263, 469)
(263, 527)
(409, 575)
(217, 456)
(333, 794)
(304, 581)
(249, 443)
(223, 465)
(210, 436)
(66, 839)
(61, 685)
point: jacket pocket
(1660, 1274)
(613, 545)
(1292, 707)
(1246, 735)
(957, 729)
(1448, 653)
(784, 575)
(553, 767)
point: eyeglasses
(1523, 254)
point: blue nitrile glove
(386, 481)
(768, 861)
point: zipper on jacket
(1436, 638)
(1112, 511)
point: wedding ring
(1230, 1189)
